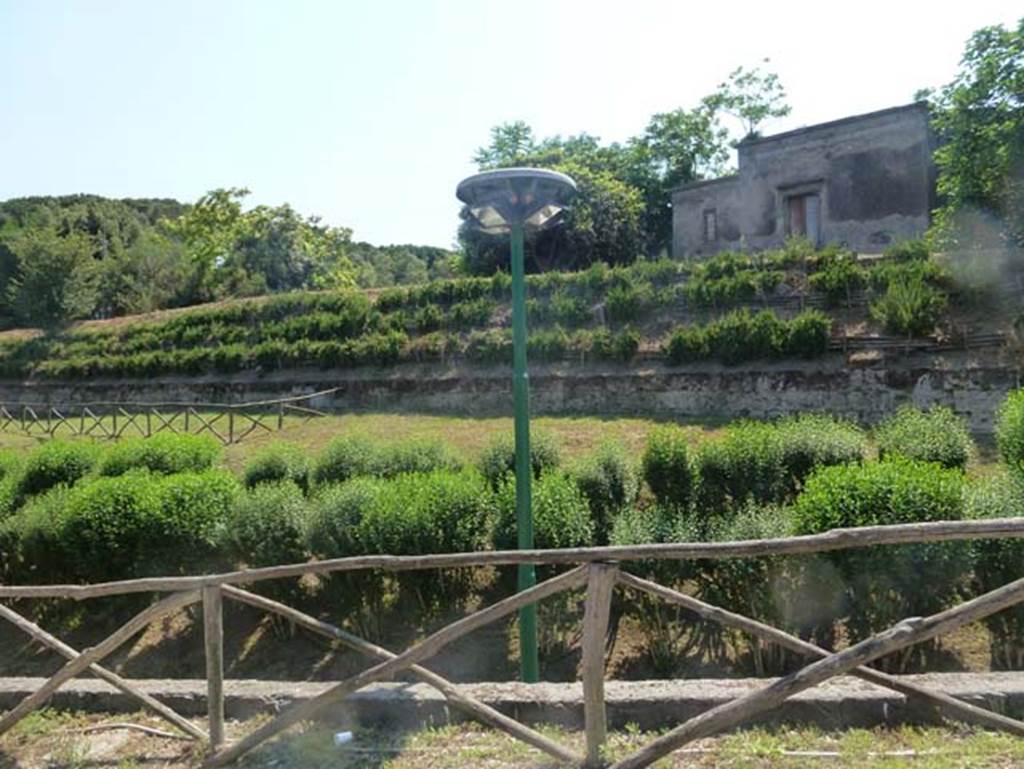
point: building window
(710, 226)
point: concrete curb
(846, 702)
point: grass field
(53, 740)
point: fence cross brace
(903, 634)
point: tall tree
(751, 96)
(55, 277)
(979, 118)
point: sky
(367, 112)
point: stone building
(863, 182)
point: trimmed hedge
(163, 453)
(608, 479)
(936, 435)
(1010, 431)
(268, 525)
(768, 462)
(54, 463)
(884, 584)
(278, 461)
(498, 460)
(743, 335)
(997, 563)
(350, 456)
(668, 468)
(561, 517)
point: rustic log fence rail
(596, 570)
(227, 422)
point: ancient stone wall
(973, 387)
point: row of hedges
(458, 317)
(742, 336)
(87, 513)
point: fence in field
(227, 422)
(597, 570)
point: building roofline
(704, 183)
(917, 106)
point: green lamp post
(513, 201)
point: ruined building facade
(863, 182)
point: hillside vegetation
(731, 308)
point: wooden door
(797, 214)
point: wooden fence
(227, 422)
(597, 570)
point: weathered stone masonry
(863, 181)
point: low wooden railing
(597, 570)
(227, 422)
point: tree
(750, 96)
(151, 274)
(979, 119)
(55, 277)
(236, 252)
(511, 145)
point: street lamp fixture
(514, 200)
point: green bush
(667, 467)
(807, 334)
(268, 525)
(909, 307)
(755, 587)
(936, 435)
(161, 453)
(743, 335)
(837, 276)
(498, 460)
(628, 301)
(194, 509)
(997, 563)
(767, 462)
(54, 463)
(884, 584)
(277, 462)
(413, 456)
(608, 480)
(907, 250)
(687, 344)
(345, 457)
(561, 517)
(1010, 431)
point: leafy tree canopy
(979, 118)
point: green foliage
(752, 96)
(350, 456)
(758, 587)
(54, 463)
(837, 276)
(347, 456)
(936, 435)
(667, 467)
(908, 251)
(742, 335)
(561, 517)
(997, 563)
(161, 453)
(1010, 431)
(980, 117)
(277, 462)
(138, 523)
(608, 479)
(883, 584)
(268, 525)
(909, 307)
(768, 462)
(498, 460)
(55, 278)
(628, 301)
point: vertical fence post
(231, 426)
(601, 579)
(280, 415)
(213, 631)
(149, 423)
(113, 416)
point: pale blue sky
(367, 113)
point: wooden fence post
(213, 631)
(231, 426)
(601, 579)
